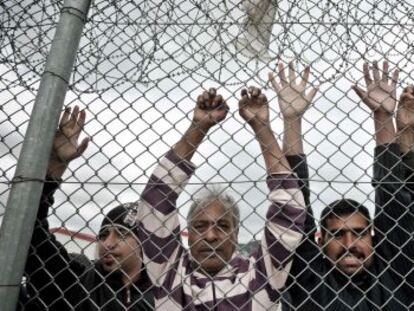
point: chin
(211, 268)
(110, 268)
(352, 271)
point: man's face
(119, 249)
(212, 237)
(347, 242)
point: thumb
(273, 82)
(82, 147)
(360, 92)
(312, 94)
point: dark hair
(342, 207)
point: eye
(337, 234)
(198, 227)
(224, 226)
(361, 232)
(122, 233)
(103, 234)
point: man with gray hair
(212, 194)
(212, 275)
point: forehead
(349, 221)
(212, 211)
(115, 229)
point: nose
(349, 239)
(110, 241)
(211, 234)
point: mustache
(211, 248)
(352, 251)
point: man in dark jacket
(117, 280)
(359, 264)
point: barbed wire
(343, 15)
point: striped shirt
(246, 283)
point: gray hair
(213, 194)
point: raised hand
(380, 95)
(66, 146)
(293, 100)
(405, 113)
(210, 110)
(253, 107)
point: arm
(403, 213)
(405, 124)
(47, 265)
(393, 222)
(285, 217)
(160, 228)
(293, 102)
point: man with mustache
(117, 280)
(361, 264)
(212, 275)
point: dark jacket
(388, 284)
(58, 282)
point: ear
(321, 241)
(236, 233)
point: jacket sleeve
(308, 250)
(283, 230)
(159, 232)
(394, 211)
(52, 281)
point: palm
(380, 96)
(292, 101)
(66, 146)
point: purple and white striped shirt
(246, 283)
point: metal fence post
(19, 219)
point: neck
(360, 279)
(131, 277)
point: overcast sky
(138, 81)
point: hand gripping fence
(132, 201)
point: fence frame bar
(22, 204)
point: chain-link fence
(139, 70)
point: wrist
(406, 137)
(259, 125)
(403, 124)
(56, 169)
(198, 128)
(383, 116)
(293, 122)
(262, 132)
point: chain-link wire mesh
(141, 66)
